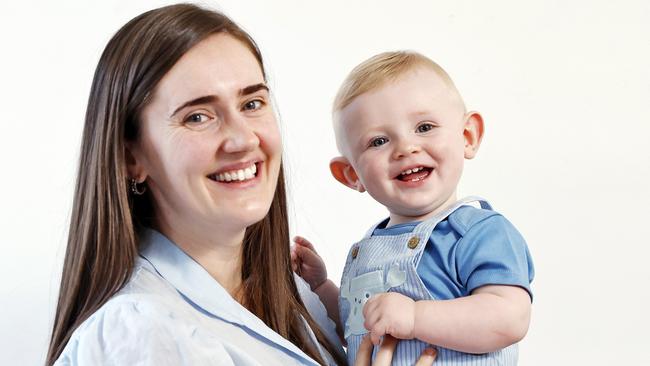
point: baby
(438, 271)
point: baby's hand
(389, 313)
(307, 263)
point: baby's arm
(310, 266)
(491, 318)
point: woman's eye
(253, 105)
(196, 118)
(378, 141)
(425, 127)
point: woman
(178, 244)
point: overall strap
(426, 227)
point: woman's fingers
(427, 358)
(385, 353)
(364, 354)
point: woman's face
(209, 145)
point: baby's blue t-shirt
(470, 248)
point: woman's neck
(219, 252)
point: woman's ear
(473, 133)
(344, 173)
(134, 168)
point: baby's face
(406, 143)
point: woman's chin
(245, 218)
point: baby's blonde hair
(380, 69)
(374, 73)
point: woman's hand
(385, 353)
(307, 263)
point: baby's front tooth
(248, 173)
(409, 171)
(240, 174)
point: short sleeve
(493, 252)
(126, 332)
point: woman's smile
(243, 175)
(245, 171)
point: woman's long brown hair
(102, 239)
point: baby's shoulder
(467, 217)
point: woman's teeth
(237, 175)
(409, 171)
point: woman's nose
(240, 137)
(405, 148)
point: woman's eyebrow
(213, 98)
(253, 88)
(200, 100)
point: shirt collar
(197, 286)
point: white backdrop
(563, 86)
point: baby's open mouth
(414, 174)
(235, 176)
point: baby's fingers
(376, 334)
(308, 257)
(303, 242)
(294, 259)
(368, 307)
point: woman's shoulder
(138, 324)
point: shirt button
(413, 242)
(355, 252)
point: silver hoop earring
(135, 189)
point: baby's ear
(473, 133)
(343, 171)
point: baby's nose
(405, 149)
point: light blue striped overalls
(381, 263)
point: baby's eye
(253, 105)
(196, 118)
(425, 127)
(378, 141)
